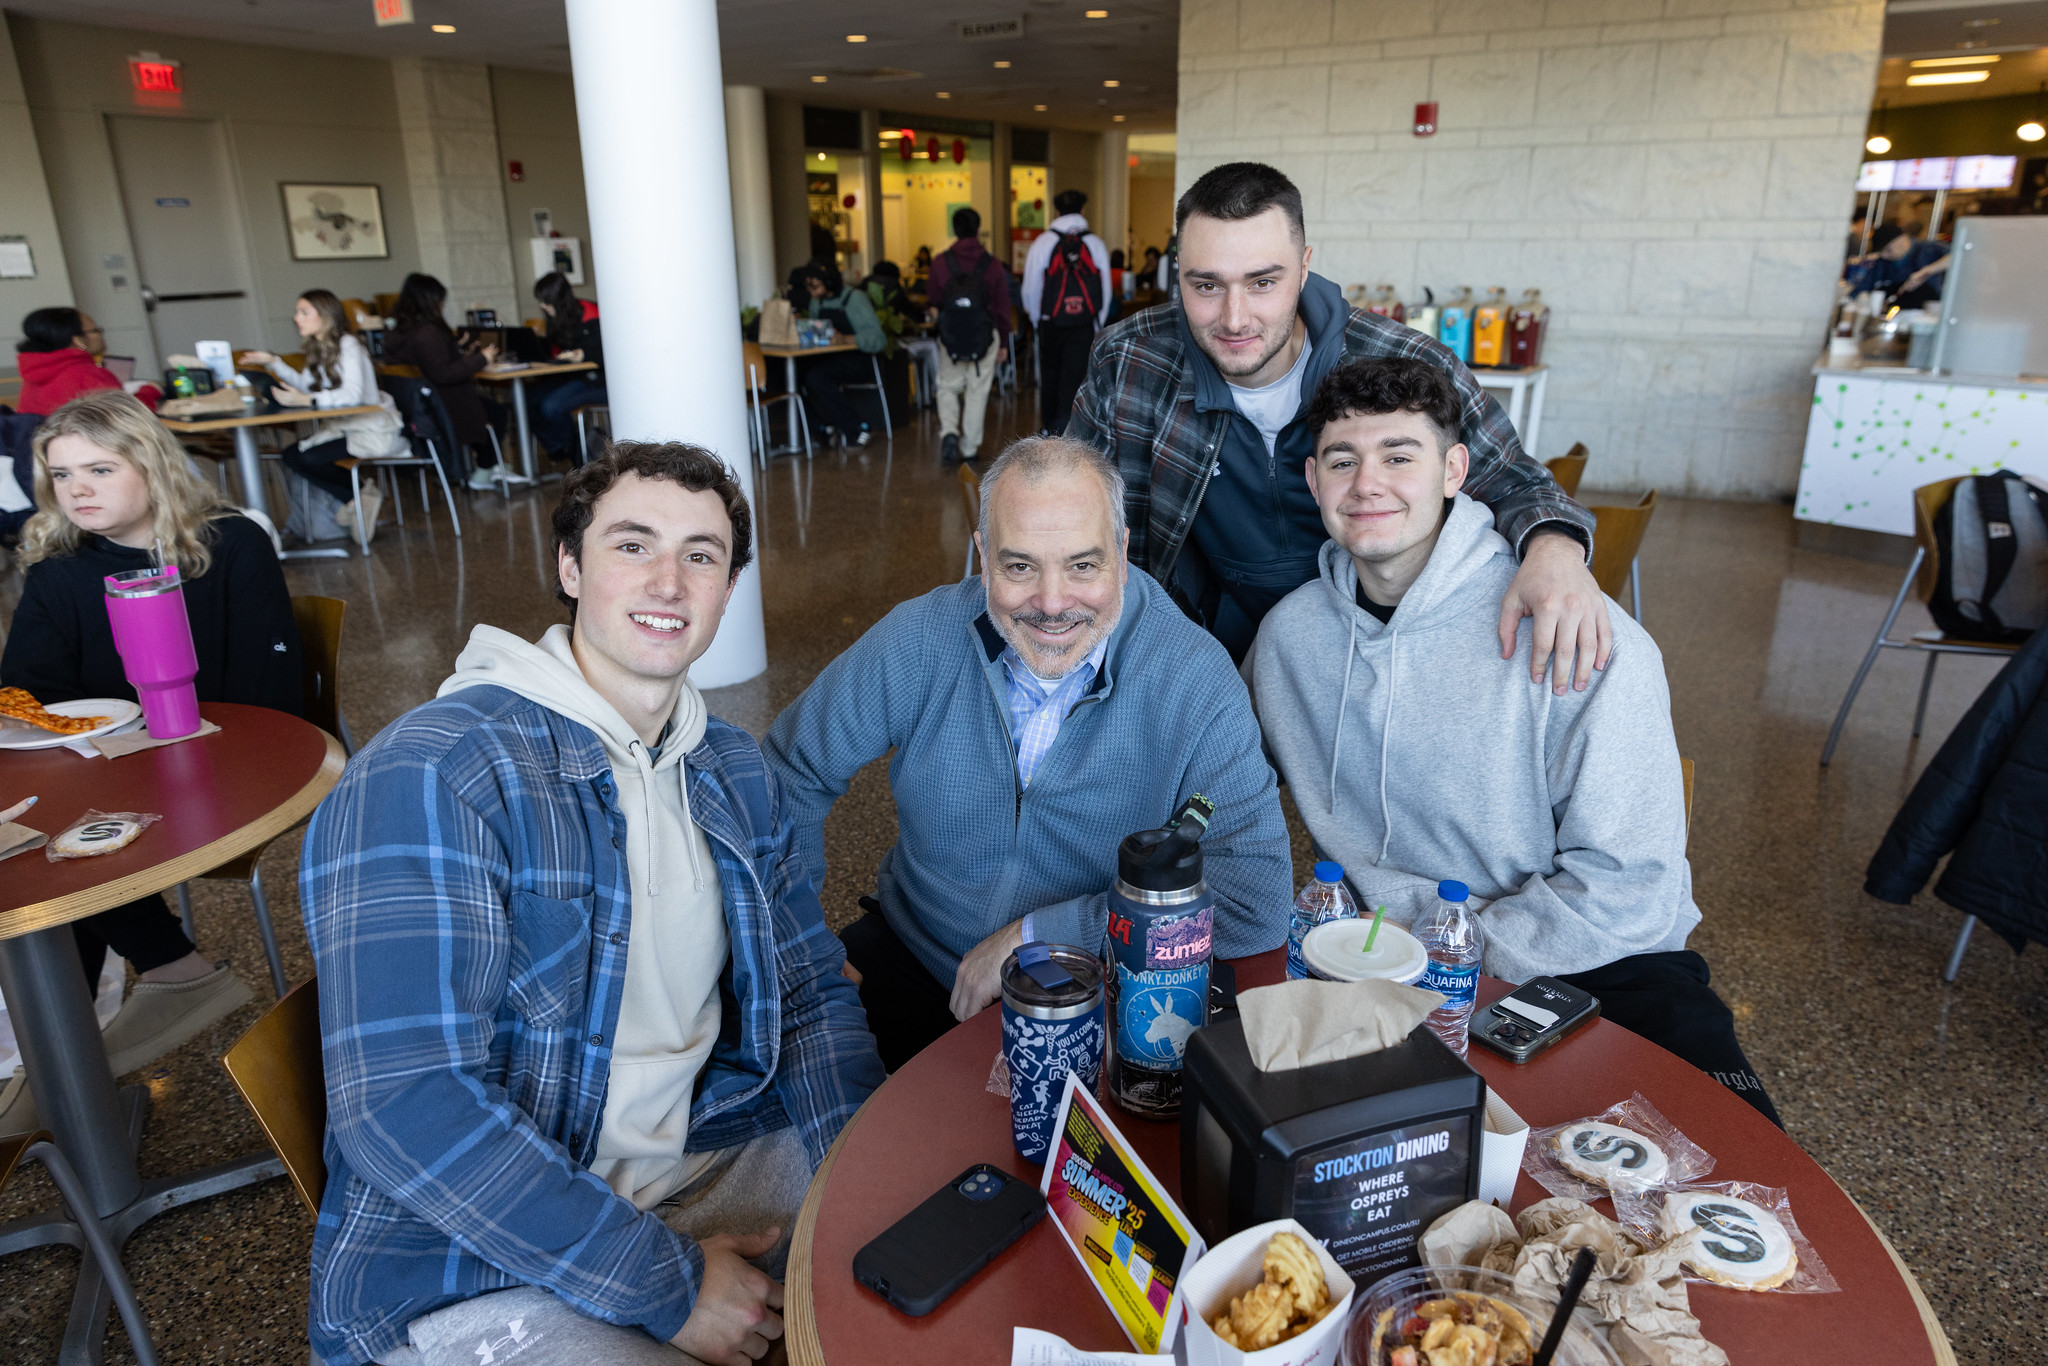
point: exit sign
(152, 74)
(392, 12)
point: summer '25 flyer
(1128, 1234)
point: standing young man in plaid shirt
(1203, 402)
(586, 1035)
(1038, 715)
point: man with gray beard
(1038, 715)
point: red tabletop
(935, 1117)
(220, 796)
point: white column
(753, 222)
(1112, 217)
(649, 94)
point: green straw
(1379, 914)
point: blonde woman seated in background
(112, 486)
(338, 374)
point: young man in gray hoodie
(1564, 811)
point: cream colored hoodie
(669, 1017)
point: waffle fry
(1292, 1298)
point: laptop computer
(523, 343)
(123, 367)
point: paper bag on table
(778, 324)
(1300, 1024)
(19, 839)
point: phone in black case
(1532, 1017)
(936, 1248)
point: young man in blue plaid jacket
(585, 1031)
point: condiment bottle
(1490, 328)
(1527, 323)
(1454, 326)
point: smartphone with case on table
(935, 1249)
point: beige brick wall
(1674, 175)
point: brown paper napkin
(1637, 1293)
(19, 839)
(1300, 1024)
(114, 746)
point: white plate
(21, 735)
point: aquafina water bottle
(1454, 942)
(1322, 897)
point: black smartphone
(936, 1248)
(1532, 1017)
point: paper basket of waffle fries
(1269, 1296)
(26, 723)
(1463, 1316)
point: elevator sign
(981, 30)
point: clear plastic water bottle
(1322, 897)
(1453, 940)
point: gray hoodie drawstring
(1386, 734)
(1343, 702)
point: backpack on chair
(1992, 576)
(966, 323)
(1073, 283)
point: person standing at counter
(111, 487)
(1899, 264)
(59, 359)
(1565, 814)
(574, 334)
(420, 337)
(1203, 406)
(1037, 716)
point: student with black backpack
(970, 302)
(1067, 297)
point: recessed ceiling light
(1002, 66)
(819, 80)
(1097, 14)
(945, 94)
(2031, 131)
(1116, 118)
(1949, 78)
(444, 28)
(1038, 108)
(856, 37)
(1878, 145)
(1953, 61)
(1111, 85)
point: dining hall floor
(1925, 1101)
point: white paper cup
(1335, 951)
(1232, 1267)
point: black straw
(1582, 1267)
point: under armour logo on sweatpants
(515, 1338)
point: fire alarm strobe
(1425, 118)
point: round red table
(935, 1117)
(220, 796)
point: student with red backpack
(970, 302)
(1067, 297)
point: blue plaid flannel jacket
(469, 907)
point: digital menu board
(1939, 173)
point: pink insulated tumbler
(146, 609)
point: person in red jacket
(59, 358)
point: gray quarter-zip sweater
(1416, 753)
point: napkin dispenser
(1365, 1153)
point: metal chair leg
(355, 485)
(454, 520)
(390, 481)
(65, 1178)
(1955, 956)
(882, 397)
(497, 449)
(1926, 686)
(185, 911)
(348, 742)
(1635, 588)
(268, 932)
(1877, 644)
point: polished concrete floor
(1924, 1100)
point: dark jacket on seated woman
(440, 359)
(60, 647)
(588, 338)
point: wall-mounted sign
(152, 73)
(1939, 173)
(16, 261)
(979, 30)
(1425, 119)
(390, 12)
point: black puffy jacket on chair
(1985, 797)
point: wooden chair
(41, 1146)
(1568, 469)
(277, 1068)
(319, 623)
(757, 366)
(1617, 538)
(1921, 574)
(970, 499)
(385, 304)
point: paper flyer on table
(1036, 1347)
(1127, 1233)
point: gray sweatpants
(747, 1189)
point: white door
(190, 253)
(896, 231)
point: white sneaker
(483, 479)
(372, 505)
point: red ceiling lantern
(849, 201)
(931, 148)
(959, 151)
(906, 146)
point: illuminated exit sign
(152, 74)
(392, 12)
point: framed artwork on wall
(335, 222)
